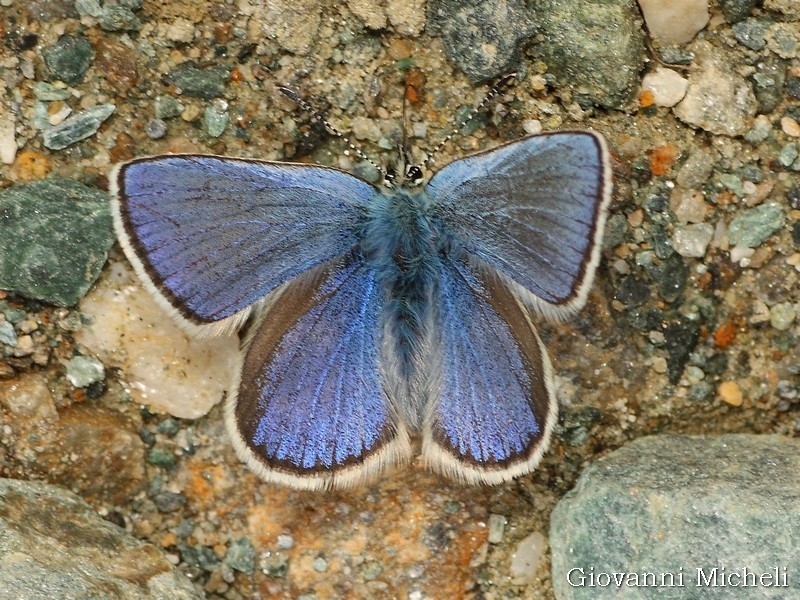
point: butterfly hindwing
(311, 410)
(211, 236)
(535, 210)
(492, 409)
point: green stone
(167, 107)
(161, 457)
(206, 83)
(241, 556)
(47, 92)
(78, 127)
(751, 32)
(754, 226)
(54, 239)
(69, 58)
(119, 18)
(733, 183)
(215, 121)
(592, 46)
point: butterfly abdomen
(400, 241)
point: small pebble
(760, 129)
(692, 240)
(730, 393)
(24, 346)
(790, 126)
(168, 502)
(168, 427)
(7, 334)
(319, 564)
(274, 564)
(659, 364)
(532, 126)
(83, 371)
(695, 374)
(784, 39)
(161, 457)
(732, 182)
(69, 58)
(155, 129)
(788, 154)
(117, 17)
(167, 107)
(285, 542)
(782, 315)
(27, 325)
(215, 119)
(526, 557)
(667, 86)
(497, 526)
(89, 8)
(8, 140)
(370, 570)
(241, 555)
(675, 22)
(736, 10)
(636, 218)
(180, 30)
(741, 254)
(752, 227)
(751, 32)
(47, 92)
(191, 113)
(689, 206)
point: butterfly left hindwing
(493, 409)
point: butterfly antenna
(497, 87)
(317, 116)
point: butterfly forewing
(311, 409)
(533, 209)
(212, 236)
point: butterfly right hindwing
(312, 409)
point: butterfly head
(403, 173)
(403, 176)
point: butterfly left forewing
(534, 209)
(492, 408)
(311, 410)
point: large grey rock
(53, 545)
(675, 504)
(482, 38)
(594, 47)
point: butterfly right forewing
(211, 236)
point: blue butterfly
(377, 317)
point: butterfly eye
(414, 174)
